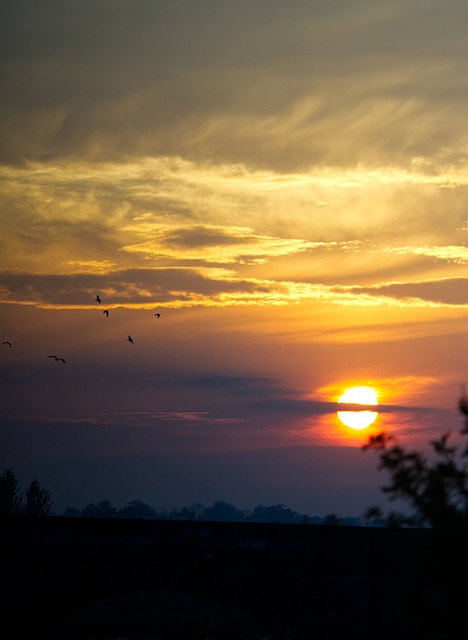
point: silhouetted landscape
(101, 578)
(127, 569)
(219, 511)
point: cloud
(210, 408)
(457, 254)
(445, 292)
(308, 86)
(203, 286)
(172, 212)
(145, 288)
(100, 223)
(213, 243)
(298, 408)
(140, 419)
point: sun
(358, 419)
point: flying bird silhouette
(157, 315)
(130, 339)
(58, 359)
(7, 342)
(106, 312)
(98, 299)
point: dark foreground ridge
(289, 581)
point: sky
(286, 185)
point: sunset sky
(286, 184)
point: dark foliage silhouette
(102, 510)
(223, 512)
(137, 509)
(434, 490)
(219, 511)
(10, 494)
(38, 501)
(333, 520)
(277, 513)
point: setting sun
(358, 419)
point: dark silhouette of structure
(332, 583)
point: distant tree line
(219, 511)
(36, 501)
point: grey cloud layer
(187, 286)
(132, 286)
(255, 82)
(236, 405)
(360, 83)
(450, 291)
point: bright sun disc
(358, 419)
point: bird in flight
(7, 342)
(106, 313)
(157, 315)
(130, 339)
(58, 359)
(98, 299)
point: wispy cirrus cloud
(145, 86)
(139, 419)
(457, 254)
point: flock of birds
(7, 343)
